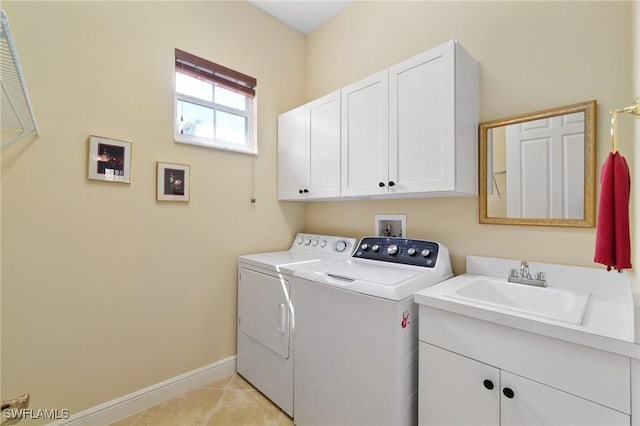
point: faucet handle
(514, 273)
(524, 270)
(540, 276)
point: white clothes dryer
(356, 342)
(266, 319)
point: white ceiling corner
(302, 15)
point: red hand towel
(613, 242)
(605, 235)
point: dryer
(266, 320)
(356, 340)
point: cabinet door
(323, 131)
(365, 136)
(421, 122)
(293, 155)
(535, 404)
(452, 391)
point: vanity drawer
(593, 374)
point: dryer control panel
(326, 244)
(398, 250)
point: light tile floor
(231, 401)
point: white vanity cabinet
(412, 129)
(309, 150)
(534, 404)
(553, 382)
(515, 354)
(456, 390)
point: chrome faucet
(524, 276)
(524, 270)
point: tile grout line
(215, 406)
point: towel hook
(632, 109)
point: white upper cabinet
(411, 130)
(309, 150)
(407, 131)
(365, 124)
(293, 154)
(323, 131)
(424, 112)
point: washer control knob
(300, 240)
(365, 247)
(392, 250)
(411, 251)
(341, 246)
(314, 243)
(375, 248)
(425, 253)
(323, 243)
(307, 241)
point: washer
(266, 313)
(356, 342)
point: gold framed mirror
(539, 168)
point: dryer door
(264, 310)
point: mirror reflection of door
(545, 168)
(545, 173)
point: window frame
(225, 78)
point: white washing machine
(266, 313)
(356, 342)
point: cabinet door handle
(508, 392)
(488, 384)
(299, 191)
(381, 184)
(392, 183)
(305, 190)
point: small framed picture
(173, 182)
(109, 159)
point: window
(215, 105)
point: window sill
(215, 145)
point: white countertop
(608, 322)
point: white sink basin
(545, 302)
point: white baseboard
(133, 403)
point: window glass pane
(230, 99)
(194, 119)
(231, 128)
(191, 86)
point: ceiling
(302, 15)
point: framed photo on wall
(109, 159)
(173, 182)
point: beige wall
(533, 55)
(105, 290)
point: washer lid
(278, 259)
(380, 279)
